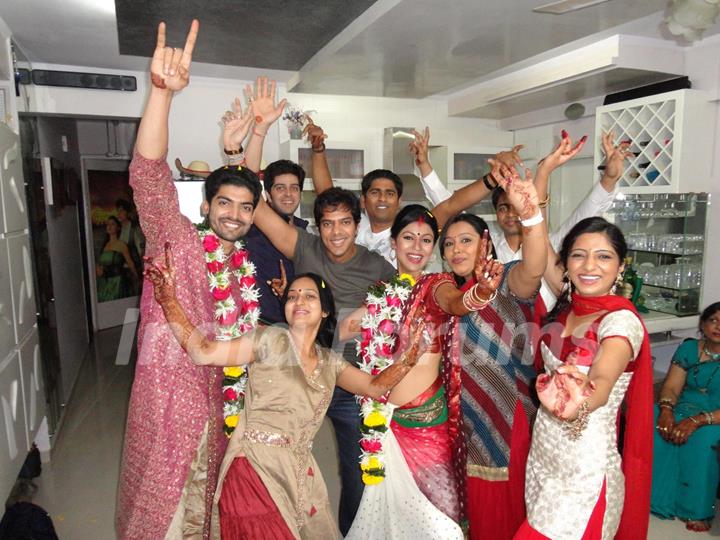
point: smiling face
(302, 307)
(507, 218)
(413, 245)
(337, 232)
(460, 248)
(593, 264)
(230, 212)
(711, 328)
(284, 195)
(381, 202)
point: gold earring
(568, 283)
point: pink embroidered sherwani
(174, 441)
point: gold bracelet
(694, 420)
(544, 204)
(666, 402)
(709, 418)
(574, 428)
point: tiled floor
(78, 486)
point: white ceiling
(400, 48)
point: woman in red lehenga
(413, 489)
(596, 354)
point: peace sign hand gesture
(488, 271)
(170, 67)
(162, 276)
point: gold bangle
(574, 428)
(694, 420)
(544, 204)
(666, 402)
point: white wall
(194, 119)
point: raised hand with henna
(563, 152)
(521, 194)
(170, 66)
(488, 271)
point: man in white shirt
(382, 194)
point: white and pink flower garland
(232, 320)
(375, 350)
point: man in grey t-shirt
(348, 269)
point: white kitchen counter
(663, 322)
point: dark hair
(410, 214)
(115, 219)
(334, 199)
(477, 223)
(381, 173)
(282, 166)
(326, 332)
(496, 194)
(234, 176)
(107, 234)
(708, 312)
(125, 205)
(586, 226)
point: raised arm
(563, 153)
(236, 126)
(153, 190)
(281, 234)
(448, 204)
(321, 177)
(524, 278)
(201, 350)
(169, 73)
(266, 112)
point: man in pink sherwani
(174, 439)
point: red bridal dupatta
(443, 327)
(638, 442)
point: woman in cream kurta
(283, 411)
(289, 387)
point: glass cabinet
(665, 234)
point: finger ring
(250, 99)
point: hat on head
(194, 168)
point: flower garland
(232, 320)
(379, 325)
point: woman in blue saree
(685, 467)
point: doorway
(115, 242)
